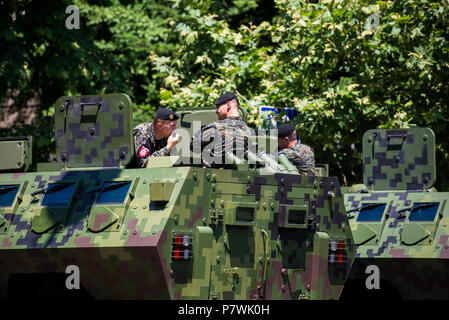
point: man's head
(287, 136)
(227, 105)
(164, 123)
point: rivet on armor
(208, 176)
(214, 177)
(122, 155)
(308, 287)
(222, 203)
(282, 181)
(424, 137)
(214, 186)
(248, 189)
(195, 175)
(284, 272)
(370, 180)
(330, 195)
(121, 105)
(212, 202)
(92, 131)
(397, 158)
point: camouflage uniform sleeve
(203, 137)
(309, 161)
(161, 152)
(303, 158)
(144, 149)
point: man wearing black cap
(156, 138)
(229, 134)
(299, 154)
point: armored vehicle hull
(399, 222)
(173, 230)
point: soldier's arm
(202, 137)
(161, 152)
(144, 150)
(308, 161)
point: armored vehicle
(398, 220)
(173, 230)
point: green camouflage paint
(399, 222)
(169, 231)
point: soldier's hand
(172, 140)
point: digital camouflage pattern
(231, 134)
(146, 144)
(402, 159)
(302, 157)
(397, 223)
(80, 139)
(177, 231)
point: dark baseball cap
(166, 114)
(285, 130)
(225, 97)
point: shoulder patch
(143, 152)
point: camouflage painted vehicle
(173, 230)
(399, 221)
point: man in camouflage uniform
(157, 138)
(229, 134)
(299, 154)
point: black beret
(165, 114)
(285, 130)
(225, 97)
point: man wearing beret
(156, 138)
(299, 154)
(229, 134)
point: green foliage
(346, 66)
(331, 62)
